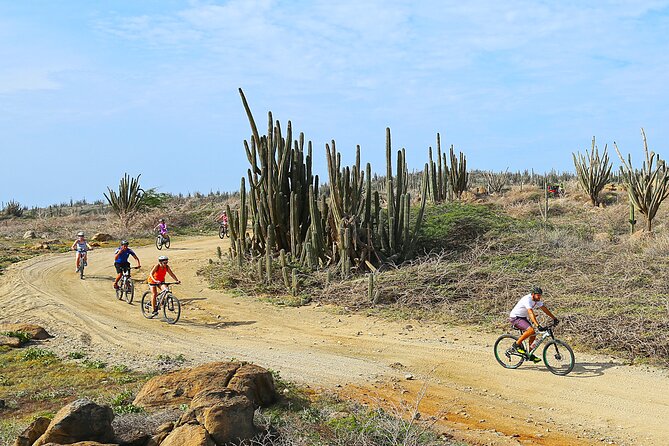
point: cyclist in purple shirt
(121, 262)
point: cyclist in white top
(81, 246)
(522, 317)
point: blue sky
(92, 89)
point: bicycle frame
(542, 335)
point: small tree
(13, 209)
(649, 187)
(592, 171)
(496, 181)
(128, 201)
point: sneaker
(76, 270)
(534, 359)
(519, 349)
(116, 286)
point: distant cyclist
(223, 219)
(161, 227)
(81, 246)
(157, 279)
(522, 317)
(121, 262)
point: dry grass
(606, 286)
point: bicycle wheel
(147, 309)
(166, 242)
(221, 232)
(81, 270)
(171, 308)
(129, 291)
(159, 243)
(119, 290)
(507, 359)
(558, 357)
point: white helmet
(80, 234)
(162, 258)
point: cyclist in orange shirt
(157, 279)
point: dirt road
(473, 398)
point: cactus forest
(351, 226)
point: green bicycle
(557, 355)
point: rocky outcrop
(9, 341)
(180, 387)
(34, 331)
(29, 234)
(82, 420)
(221, 399)
(32, 432)
(188, 435)
(226, 414)
(102, 237)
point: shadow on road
(215, 325)
(591, 369)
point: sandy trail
(471, 396)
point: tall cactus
(397, 238)
(280, 180)
(593, 171)
(458, 177)
(649, 187)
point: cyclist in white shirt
(522, 317)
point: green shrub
(95, 364)
(34, 353)
(21, 335)
(455, 226)
(76, 355)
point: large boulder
(9, 341)
(35, 331)
(81, 420)
(226, 414)
(180, 387)
(188, 435)
(82, 443)
(32, 432)
(254, 382)
(102, 237)
(29, 234)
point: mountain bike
(223, 230)
(162, 240)
(557, 355)
(166, 300)
(126, 287)
(83, 261)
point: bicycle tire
(119, 290)
(502, 344)
(129, 291)
(159, 243)
(221, 232)
(555, 358)
(81, 270)
(166, 242)
(171, 306)
(146, 307)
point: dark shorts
(123, 266)
(521, 323)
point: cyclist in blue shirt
(121, 260)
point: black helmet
(537, 290)
(124, 242)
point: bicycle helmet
(162, 259)
(162, 220)
(124, 242)
(80, 234)
(537, 290)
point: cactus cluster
(347, 228)
(593, 172)
(648, 187)
(446, 182)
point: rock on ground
(81, 420)
(188, 435)
(35, 331)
